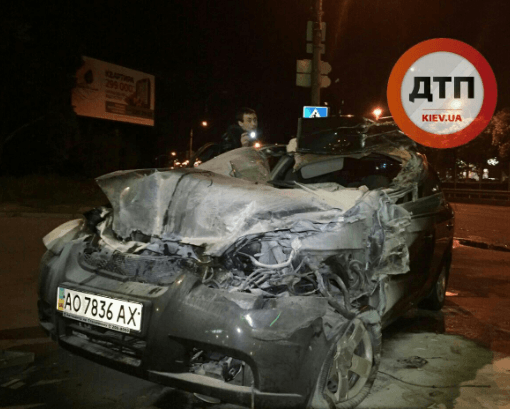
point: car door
(427, 237)
(443, 217)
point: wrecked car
(261, 287)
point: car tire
(355, 357)
(435, 300)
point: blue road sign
(315, 112)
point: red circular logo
(442, 93)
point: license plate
(106, 312)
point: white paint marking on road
(12, 381)
(17, 385)
(49, 381)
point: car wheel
(435, 300)
(350, 367)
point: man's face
(249, 122)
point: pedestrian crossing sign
(315, 112)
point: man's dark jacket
(232, 138)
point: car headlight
(58, 237)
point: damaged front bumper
(281, 342)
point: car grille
(125, 344)
(161, 270)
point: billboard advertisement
(109, 91)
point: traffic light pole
(317, 48)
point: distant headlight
(58, 237)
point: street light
(377, 113)
(204, 124)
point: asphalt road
(490, 224)
(466, 346)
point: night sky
(210, 58)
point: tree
(478, 150)
(499, 128)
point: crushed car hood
(208, 209)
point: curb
(482, 245)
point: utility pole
(317, 49)
(190, 144)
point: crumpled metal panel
(139, 198)
(204, 208)
(274, 319)
(337, 196)
(243, 163)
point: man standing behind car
(240, 134)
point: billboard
(109, 91)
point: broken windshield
(347, 135)
(373, 171)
